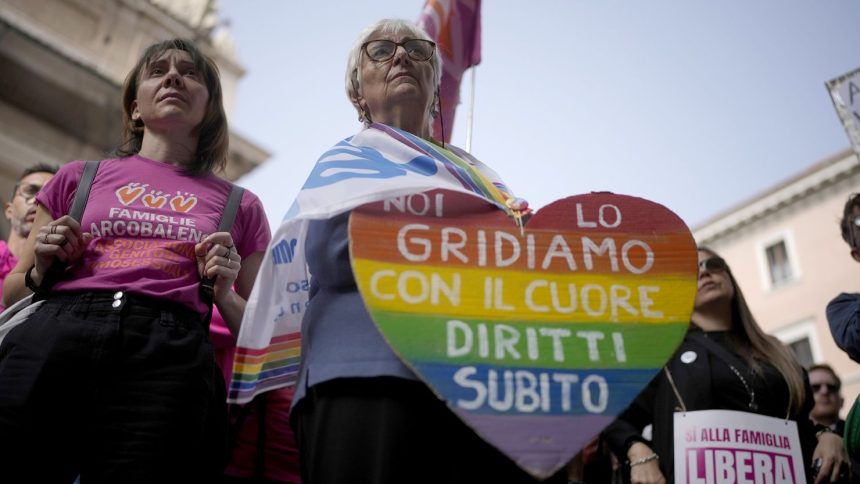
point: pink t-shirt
(145, 217)
(7, 263)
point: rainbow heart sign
(537, 338)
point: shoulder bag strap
(718, 350)
(729, 358)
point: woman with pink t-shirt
(113, 377)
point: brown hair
(37, 168)
(213, 135)
(764, 346)
(846, 223)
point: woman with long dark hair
(767, 380)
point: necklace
(752, 405)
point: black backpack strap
(258, 404)
(79, 203)
(228, 217)
(83, 191)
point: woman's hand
(647, 472)
(832, 454)
(60, 239)
(217, 257)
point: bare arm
(647, 472)
(217, 257)
(233, 307)
(832, 454)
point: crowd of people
(119, 375)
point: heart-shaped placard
(536, 339)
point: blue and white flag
(376, 164)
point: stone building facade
(785, 249)
(62, 65)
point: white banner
(845, 92)
(726, 447)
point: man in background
(20, 210)
(827, 390)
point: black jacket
(657, 404)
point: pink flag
(455, 25)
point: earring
(364, 117)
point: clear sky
(697, 105)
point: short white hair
(386, 26)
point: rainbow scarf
(378, 163)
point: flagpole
(471, 114)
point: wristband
(31, 284)
(647, 458)
(823, 429)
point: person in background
(20, 211)
(767, 381)
(843, 312)
(826, 387)
(113, 377)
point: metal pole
(471, 114)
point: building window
(778, 264)
(802, 350)
(802, 340)
(777, 260)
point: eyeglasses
(713, 265)
(831, 388)
(382, 50)
(28, 191)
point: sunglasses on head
(714, 265)
(831, 388)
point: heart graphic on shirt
(152, 200)
(129, 193)
(536, 338)
(182, 204)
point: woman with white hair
(360, 414)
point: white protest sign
(728, 447)
(845, 92)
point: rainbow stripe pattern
(536, 338)
(375, 164)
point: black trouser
(392, 430)
(115, 392)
